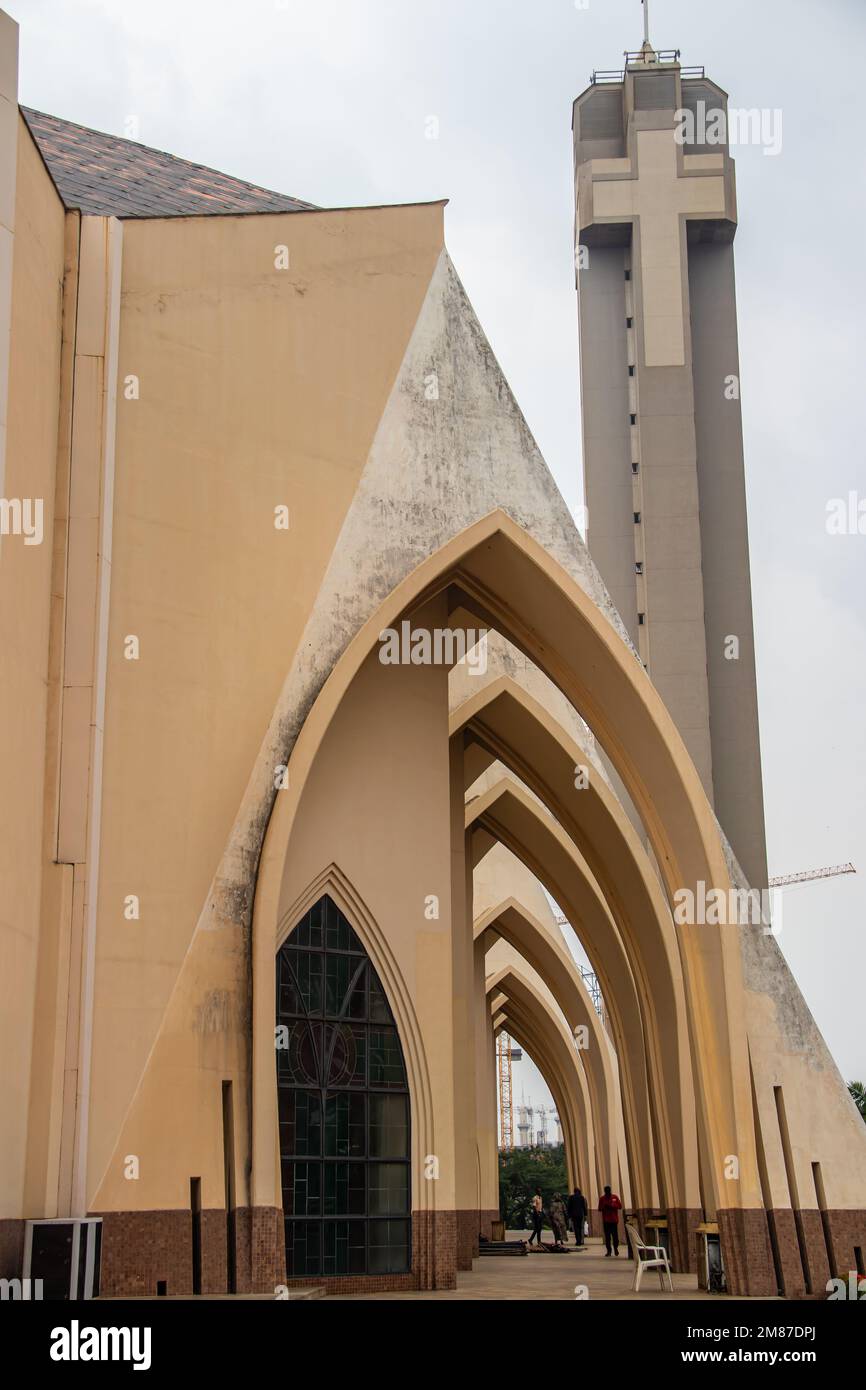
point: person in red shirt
(610, 1207)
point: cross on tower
(658, 191)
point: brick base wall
(847, 1235)
(746, 1252)
(142, 1249)
(813, 1247)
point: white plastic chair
(648, 1257)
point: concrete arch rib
(524, 1009)
(504, 723)
(508, 814)
(516, 925)
(500, 572)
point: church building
(317, 712)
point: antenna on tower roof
(647, 53)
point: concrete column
(463, 974)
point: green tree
(858, 1095)
(523, 1170)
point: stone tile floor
(554, 1277)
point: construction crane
(507, 1052)
(506, 1110)
(593, 989)
(833, 872)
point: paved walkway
(553, 1277)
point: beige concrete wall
(25, 609)
(257, 388)
(377, 805)
(736, 745)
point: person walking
(557, 1220)
(536, 1212)
(610, 1207)
(577, 1214)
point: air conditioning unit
(61, 1257)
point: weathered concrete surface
(451, 448)
(788, 1055)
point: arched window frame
(344, 1108)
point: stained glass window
(343, 1106)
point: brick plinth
(814, 1247)
(746, 1252)
(847, 1235)
(243, 1248)
(267, 1249)
(682, 1225)
(467, 1238)
(783, 1234)
(485, 1222)
(434, 1249)
(214, 1244)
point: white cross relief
(656, 195)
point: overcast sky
(331, 100)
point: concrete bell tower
(656, 215)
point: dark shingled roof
(110, 177)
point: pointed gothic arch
(515, 924)
(498, 572)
